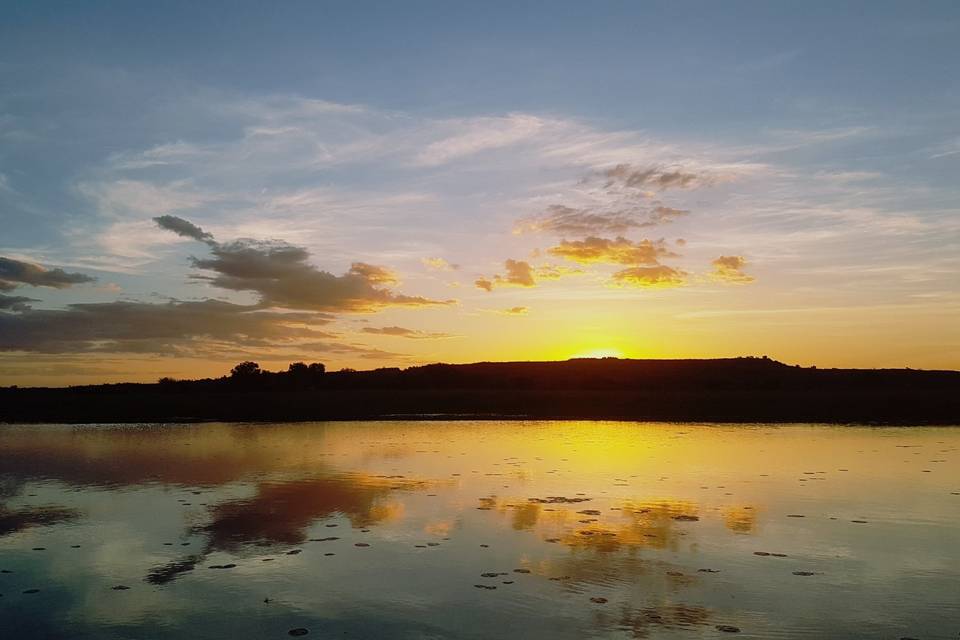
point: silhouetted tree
(245, 370)
(297, 368)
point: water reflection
(644, 622)
(388, 529)
(15, 520)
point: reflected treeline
(15, 520)
(191, 455)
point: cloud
(402, 332)
(15, 303)
(183, 228)
(649, 277)
(480, 134)
(513, 311)
(439, 264)
(15, 272)
(125, 197)
(661, 214)
(374, 274)
(657, 178)
(172, 328)
(555, 272)
(730, 269)
(617, 251)
(282, 276)
(644, 257)
(484, 283)
(519, 274)
(567, 221)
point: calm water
(479, 530)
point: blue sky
(826, 139)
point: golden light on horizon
(608, 352)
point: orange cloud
(519, 274)
(403, 332)
(617, 251)
(659, 276)
(439, 264)
(555, 272)
(512, 311)
(374, 274)
(730, 269)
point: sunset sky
(368, 184)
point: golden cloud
(730, 269)
(659, 276)
(617, 251)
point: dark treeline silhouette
(731, 390)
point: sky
(185, 185)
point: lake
(479, 530)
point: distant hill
(730, 390)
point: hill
(730, 390)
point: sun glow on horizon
(599, 353)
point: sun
(599, 353)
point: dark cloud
(403, 332)
(173, 328)
(567, 221)
(730, 269)
(623, 202)
(656, 178)
(15, 272)
(183, 228)
(15, 303)
(617, 251)
(661, 214)
(282, 275)
(656, 276)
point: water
(619, 530)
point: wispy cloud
(480, 134)
(403, 332)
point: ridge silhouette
(747, 389)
